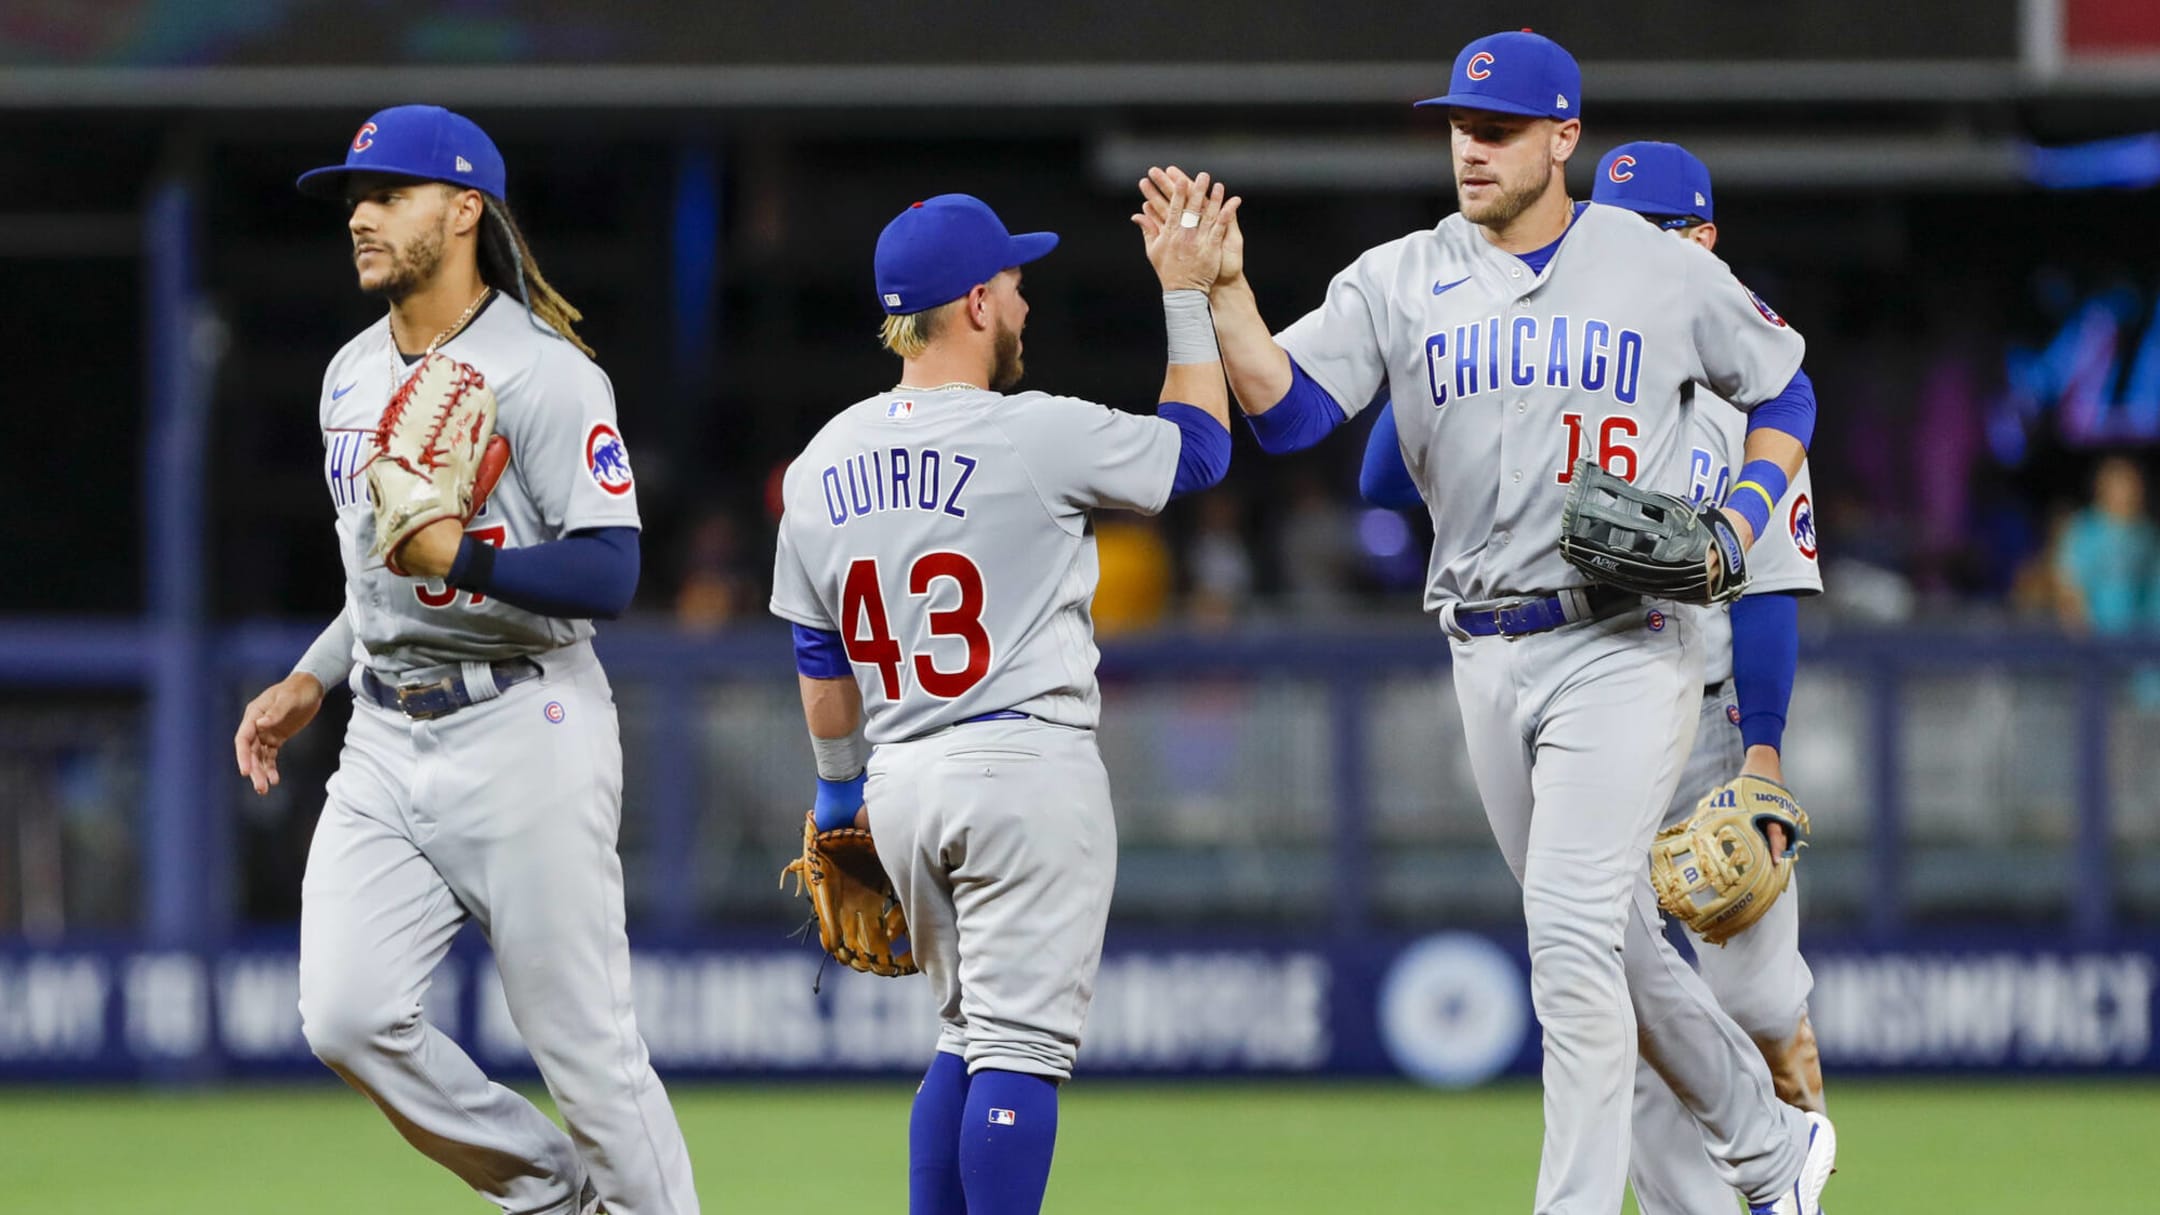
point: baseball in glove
(436, 455)
(1715, 872)
(1650, 543)
(859, 921)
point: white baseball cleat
(1805, 1196)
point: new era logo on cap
(892, 299)
(464, 165)
(1559, 101)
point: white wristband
(840, 758)
(1192, 328)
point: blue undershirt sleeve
(820, 654)
(589, 574)
(1791, 411)
(1203, 448)
(1384, 480)
(1766, 654)
(1302, 418)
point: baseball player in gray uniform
(936, 559)
(1759, 976)
(481, 776)
(1515, 337)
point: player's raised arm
(1289, 408)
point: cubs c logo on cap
(1480, 66)
(1622, 169)
(364, 138)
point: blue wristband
(838, 801)
(1762, 483)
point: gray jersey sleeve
(794, 594)
(330, 658)
(1783, 559)
(566, 446)
(1745, 352)
(1343, 344)
(1083, 456)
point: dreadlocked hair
(506, 264)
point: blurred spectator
(718, 587)
(1133, 591)
(2105, 562)
(1318, 546)
(1221, 563)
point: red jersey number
(866, 631)
(1613, 453)
(448, 595)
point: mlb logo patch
(1002, 1117)
(899, 409)
(607, 461)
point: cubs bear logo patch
(607, 460)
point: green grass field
(318, 1150)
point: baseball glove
(859, 920)
(1650, 543)
(1715, 872)
(436, 455)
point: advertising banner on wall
(1451, 1009)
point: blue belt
(423, 701)
(1000, 715)
(1526, 616)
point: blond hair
(506, 264)
(909, 334)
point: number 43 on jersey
(866, 627)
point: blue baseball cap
(1517, 72)
(938, 249)
(1659, 179)
(423, 141)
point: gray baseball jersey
(1502, 377)
(569, 469)
(1783, 558)
(944, 534)
(488, 813)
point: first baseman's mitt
(436, 455)
(1650, 543)
(859, 920)
(1715, 872)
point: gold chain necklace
(457, 324)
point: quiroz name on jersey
(897, 478)
(1555, 352)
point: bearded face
(1503, 164)
(399, 230)
(1007, 369)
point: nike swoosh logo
(1444, 288)
(338, 394)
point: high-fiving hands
(1188, 226)
(1168, 193)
